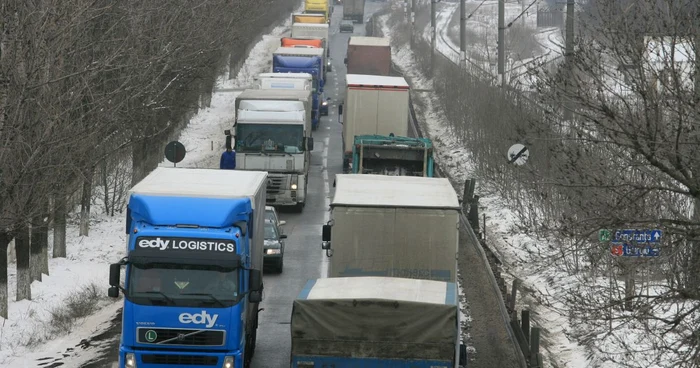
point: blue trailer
(377, 322)
(300, 64)
(193, 269)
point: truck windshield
(272, 138)
(183, 285)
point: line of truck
(390, 298)
(193, 274)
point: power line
(477, 8)
(522, 13)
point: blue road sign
(636, 236)
(630, 250)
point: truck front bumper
(281, 190)
(285, 198)
(170, 358)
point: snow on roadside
(89, 257)
(457, 162)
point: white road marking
(326, 202)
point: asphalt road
(303, 259)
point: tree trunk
(44, 239)
(4, 241)
(105, 186)
(35, 249)
(59, 226)
(85, 203)
(24, 283)
(137, 161)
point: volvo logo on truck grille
(186, 244)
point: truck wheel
(299, 207)
(247, 359)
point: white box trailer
(213, 184)
(279, 94)
(288, 81)
(373, 105)
(395, 226)
(310, 30)
(378, 322)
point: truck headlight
(273, 251)
(228, 362)
(295, 180)
(294, 187)
(130, 360)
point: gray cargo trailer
(354, 10)
(396, 226)
(376, 322)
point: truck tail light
(228, 362)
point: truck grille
(276, 184)
(179, 359)
(190, 337)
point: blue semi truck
(392, 155)
(304, 64)
(193, 270)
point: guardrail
(415, 127)
(525, 340)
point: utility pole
(433, 35)
(502, 42)
(568, 59)
(462, 35)
(522, 7)
(413, 22)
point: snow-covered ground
(514, 249)
(523, 255)
(481, 48)
(88, 260)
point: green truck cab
(392, 155)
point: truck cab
(273, 134)
(193, 270)
(392, 155)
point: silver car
(271, 215)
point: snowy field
(521, 254)
(456, 160)
(482, 36)
(31, 332)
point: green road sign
(151, 336)
(604, 235)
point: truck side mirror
(228, 141)
(326, 233)
(128, 220)
(256, 286)
(340, 109)
(462, 355)
(310, 143)
(114, 271)
(345, 61)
